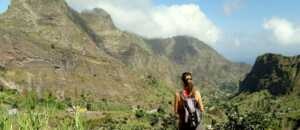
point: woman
(181, 100)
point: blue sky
(242, 29)
(249, 12)
(3, 5)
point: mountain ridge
(53, 47)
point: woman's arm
(176, 102)
(199, 99)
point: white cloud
(237, 42)
(149, 20)
(284, 31)
(232, 6)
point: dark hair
(183, 78)
(184, 75)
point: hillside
(276, 73)
(56, 62)
(46, 46)
(268, 97)
(194, 55)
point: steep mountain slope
(209, 68)
(276, 73)
(166, 58)
(47, 46)
(268, 97)
(129, 48)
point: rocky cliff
(276, 73)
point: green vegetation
(91, 57)
(28, 112)
(258, 110)
(276, 73)
(268, 98)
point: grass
(48, 112)
(278, 112)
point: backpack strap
(186, 102)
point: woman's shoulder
(197, 93)
(177, 93)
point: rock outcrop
(276, 73)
